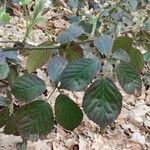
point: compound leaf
(28, 87)
(102, 102)
(78, 74)
(67, 113)
(129, 78)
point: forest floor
(131, 131)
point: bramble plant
(95, 51)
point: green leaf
(4, 111)
(73, 52)
(70, 34)
(129, 78)
(102, 102)
(104, 44)
(123, 42)
(55, 68)
(147, 78)
(4, 70)
(136, 59)
(34, 120)
(28, 87)
(13, 75)
(67, 113)
(37, 59)
(4, 115)
(4, 17)
(121, 55)
(37, 9)
(78, 74)
(146, 56)
(25, 2)
(10, 127)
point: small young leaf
(28, 87)
(67, 113)
(34, 120)
(4, 17)
(73, 52)
(104, 44)
(129, 78)
(37, 59)
(102, 102)
(78, 74)
(123, 42)
(4, 70)
(55, 68)
(70, 34)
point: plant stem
(30, 48)
(52, 93)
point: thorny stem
(29, 48)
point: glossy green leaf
(67, 113)
(34, 120)
(4, 70)
(78, 74)
(37, 59)
(28, 87)
(104, 44)
(102, 102)
(129, 78)
(55, 68)
(122, 42)
(70, 34)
